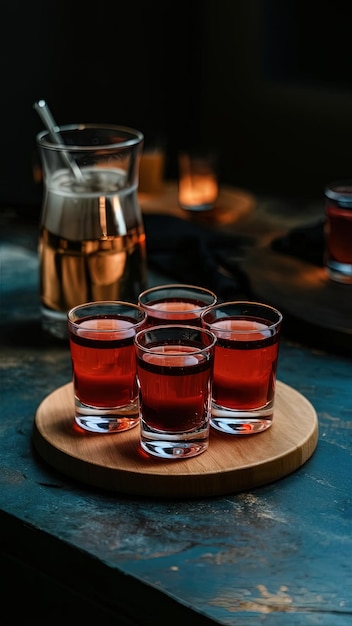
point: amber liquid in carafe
(91, 246)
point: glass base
(197, 208)
(174, 445)
(54, 323)
(112, 420)
(339, 272)
(232, 422)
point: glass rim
(78, 324)
(248, 303)
(202, 290)
(135, 137)
(165, 327)
(339, 191)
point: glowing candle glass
(198, 187)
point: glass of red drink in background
(174, 371)
(246, 357)
(338, 231)
(104, 364)
(175, 304)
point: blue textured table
(277, 555)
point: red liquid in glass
(104, 367)
(245, 365)
(339, 233)
(175, 391)
(174, 310)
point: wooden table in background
(231, 206)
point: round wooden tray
(231, 205)
(115, 462)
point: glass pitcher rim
(135, 137)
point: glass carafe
(92, 241)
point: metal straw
(44, 112)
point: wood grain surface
(115, 462)
(231, 205)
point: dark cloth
(303, 242)
(194, 254)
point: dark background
(266, 83)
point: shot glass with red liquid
(338, 231)
(104, 364)
(246, 358)
(175, 304)
(174, 370)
